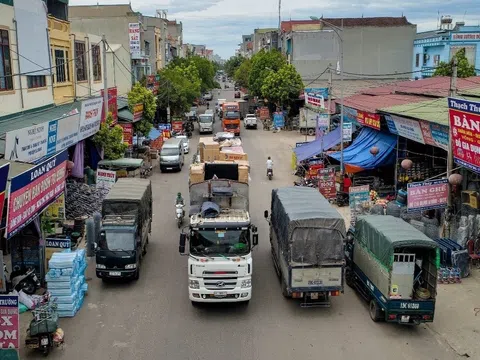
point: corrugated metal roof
(350, 87)
(286, 26)
(371, 104)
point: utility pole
(341, 103)
(279, 16)
(452, 93)
(105, 85)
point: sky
(219, 24)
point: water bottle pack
(66, 280)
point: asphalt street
(154, 319)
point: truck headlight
(246, 283)
(101, 266)
(131, 266)
(194, 284)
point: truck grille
(231, 126)
(220, 280)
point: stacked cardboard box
(243, 168)
(233, 153)
(209, 149)
(197, 173)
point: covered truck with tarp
(125, 229)
(394, 266)
(306, 237)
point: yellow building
(62, 56)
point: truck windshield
(205, 119)
(220, 242)
(232, 115)
(169, 152)
(117, 240)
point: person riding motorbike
(269, 165)
(179, 201)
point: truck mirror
(254, 229)
(265, 214)
(95, 247)
(181, 246)
(255, 239)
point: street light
(337, 31)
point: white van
(172, 155)
(205, 123)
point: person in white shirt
(269, 164)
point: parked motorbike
(342, 198)
(146, 171)
(305, 182)
(180, 214)
(270, 174)
(25, 280)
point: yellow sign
(56, 210)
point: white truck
(219, 242)
(250, 121)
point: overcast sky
(219, 24)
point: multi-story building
(377, 46)
(435, 46)
(121, 25)
(266, 39)
(246, 46)
(174, 43)
(209, 54)
(156, 35)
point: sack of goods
(66, 280)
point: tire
(179, 224)
(46, 351)
(137, 274)
(311, 132)
(28, 286)
(349, 279)
(162, 170)
(375, 311)
(284, 289)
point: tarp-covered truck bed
(309, 230)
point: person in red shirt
(347, 182)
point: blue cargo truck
(394, 267)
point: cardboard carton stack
(233, 153)
(197, 173)
(209, 149)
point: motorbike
(180, 214)
(342, 198)
(146, 171)
(25, 280)
(270, 174)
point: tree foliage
(242, 73)
(283, 86)
(233, 64)
(110, 139)
(141, 95)
(464, 69)
(206, 70)
(263, 63)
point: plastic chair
(474, 258)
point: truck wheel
(349, 278)
(375, 311)
(311, 132)
(137, 274)
(284, 289)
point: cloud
(219, 24)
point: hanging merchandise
(83, 200)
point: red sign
(157, 143)
(465, 129)
(10, 323)
(153, 84)
(313, 170)
(127, 134)
(137, 112)
(326, 183)
(369, 119)
(427, 195)
(263, 113)
(177, 126)
(112, 105)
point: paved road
(154, 319)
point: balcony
(140, 55)
(427, 71)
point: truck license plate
(114, 273)
(314, 296)
(220, 294)
(44, 341)
(405, 319)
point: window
(36, 81)
(97, 67)
(81, 61)
(6, 81)
(436, 60)
(62, 67)
(417, 60)
(425, 59)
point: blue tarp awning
(154, 134)
(318, 146)
(357, 156)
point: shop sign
(56, 210)
(177, 126)
(313, 170)
(465, 36)
(4, 169)
(465, 128)
(137, 112)
(106, 179)
(164, 127)
(427, 195)
(33, 190)
(278, 120)
(127, 134)
(38, 141)
(326, 183)
(263, 113)
(350, 113)
(134, 38)
(112, 105)
(157, 143)
(407, 128)
(90, 117)
(53, 245)
(323, 121)
(435, 134)
(298, 144)
(10, 323)
(316, 97)
(347, 131)
(359, 196)
(368, 119)
(153, 84)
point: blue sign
(347, 131)
(164, 127)
(278, 120)
(391, 124)
(298, 144)
(317, 92)
(440, 134)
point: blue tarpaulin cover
(357, 156)
(315, 147)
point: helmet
(179, 194)
(269, 158)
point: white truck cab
(250, 121)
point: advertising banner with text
(427, 195)
(368, 119)
(112, 104)
(90, 117)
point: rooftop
(99, 11)
(286, 26)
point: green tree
(263, 63)
(206, 70)
(282, 87)
(232, 64)
(242, 74)
(110, 139)
(141, 95)
(464, 69)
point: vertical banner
(359, 197)
(278, 120)
(10, 324)
(177, 126)
(90, 117)
(326, 183)
(112, 105)
(134, 38)
(347, 131)
(127, 134)
(465, 128)
(137, 112)
(106, 178)
(3, 185)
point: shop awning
(357, 156)
(318, 146)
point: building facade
(432, 47)
(174, 45)
(371, 46)
(265, 39)
(246, 46)
(156, 35)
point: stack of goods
(230, 142)
(233, 153)
(448, 275)
(66, 280)
(197, 173)
(83, 200)
(209, 149)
